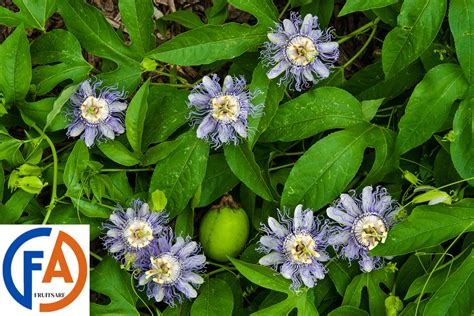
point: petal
(194, 261)
(107, 130)
(117, 220)
(207, 125)
(349, 205)
(318, 272)
(224, 133)
(113, 233)
(144, 209)
(315, 34)
(211, 86)
(287, 270)
(116, 247)
(116, 125)
(278, 69)
(308, 220)
(321, 69)
(271, 259)
(188, 249)
(228, 83)
(186, 289)
(117, 106)
(367, 199)
(308, 75)
(240, 129)
(278, 38)
(270, 242)
(298, 217)
(159, 293)
(366, 264)
(277, 228)
(339, 238)
(193, 278)
(76, 130)
(289, 26)
(339, 216)
(198, 98)
(177, 245)
(307, 24)
(382, 204)
(328, 47)
(307, 278)
(351, 251)
(143, 279)
(86, 88)
(89, 135)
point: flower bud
(410, 177)
(432, 196)
(29, 170)
(31, 184)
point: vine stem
(127, 170)
(371, 36)
(360, 30)
(54, 196)
(287, 5)
(418, 301)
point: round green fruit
(223, 232)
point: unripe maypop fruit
(224, 230)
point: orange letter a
(58, 257)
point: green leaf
(219, 179)
(15, 206)
(33, 14)
(364, 5)
(242, 162)
(370, 107)
(418, 23)
(158, 200)
(38, 112)
(264, 10)
(263, 276)
(159, 152)
(429, 105)
(372, 282)
(58, 57)
(313, 112)
(323, 8)
(282, 308)
(168, 106)
(428, 226)
(15, 74)
(137, 15)
(99, 38)
(462, 149)
(269, 95)
(326, 169)
(454, 297)
(8, 146)
(76, 164)
(208, 44)
(108, 279)
(348, 311)
(91, 209)
(135, 118)
(215, 298)
(180, 174)
(461, 23)
(58, 104)
(116, 151)
(341, 275)
(187, 19)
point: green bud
(31, 184)
(410, 177)
(393, 305)
(432, 196)
(391, 267)
(149, 64)
(13, 180)
(29, 170)
(158, 201)
(449, 137)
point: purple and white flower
(363, 223)
(301, 50)
(170, 270)
(296, 247)
(221, 113)
(131, 231)
(96, 113)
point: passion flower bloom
(301, 50)
(363, 223)
(296, 247)
(131, 231)
(221, 113)
(170, 269)
(96, 113)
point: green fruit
(223, 232)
